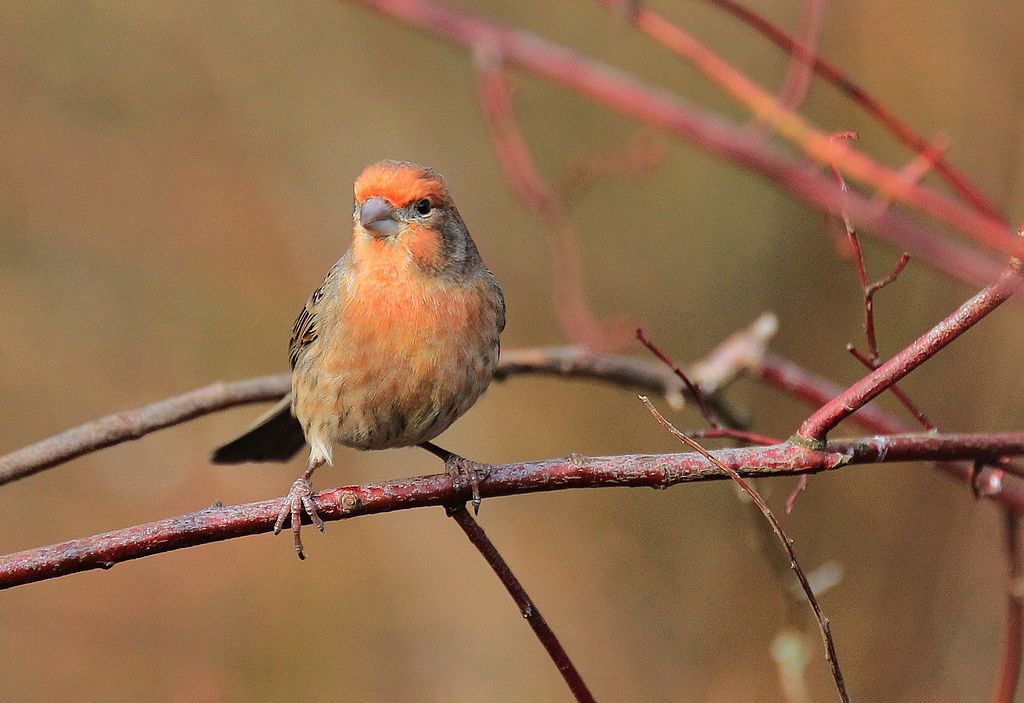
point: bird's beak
(377, 216)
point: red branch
(812, 389)
(577, 319)
(527, 609)
(219, 523)
(625, 93)
(816, 143)
(962, 319)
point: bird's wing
(305, 331)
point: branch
(528, 610)
(632, 97)
(133, 424)
(812, 389)
(741, 351)
(962, 319)
(817, 144)
(218, 523)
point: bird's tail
(275, 436)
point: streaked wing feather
(304, 332)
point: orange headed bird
(397, 343)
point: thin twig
(960, 182)
(219, 523)
(801, 64)
(787, 543)
(529, 611)
(574, 313)
(1010, 662)
(637, 159)
(900, 394)
(733, 433)
(695, 391)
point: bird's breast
(402, 355)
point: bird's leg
(300, 497)
(458, 468)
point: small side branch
(529, 611)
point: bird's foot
(473, 473)
(300, 498)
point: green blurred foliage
(176, 178)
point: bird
(399, 341)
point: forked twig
(787, 543)
(529, 611)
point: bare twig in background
(577, 319)
(742, 351)
(733, 433)
(630, 96)
(654, 471)
(960, 182)
(695, 391)
(801, 64)
(787, 543)
(133, 424)
(527, 609)
(637, 159)
(817, 144)
(1010, 662)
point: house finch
(399, 340)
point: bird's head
(399, 205)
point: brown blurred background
(175, 178)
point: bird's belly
(400, 380)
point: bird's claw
(474, 474)
(300, 497)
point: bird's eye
(423, 206)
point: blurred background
(175, 178)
